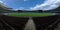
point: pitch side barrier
(38, 11)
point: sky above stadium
(32, 4)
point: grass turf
(30, 14)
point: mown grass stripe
(29, 14)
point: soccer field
(29, 14)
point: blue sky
(23, 4)
(32, 4)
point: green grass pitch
(30, 14)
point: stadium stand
(17, 23)
(46, 23)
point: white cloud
(3, 4)
(1, 1)
(47, 5)
(25, 0)
(20, 8)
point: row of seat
(18, 23)
(43, 22)
(15, 22)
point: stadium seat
(18, 23)
(44, 22)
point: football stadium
(12, 19)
